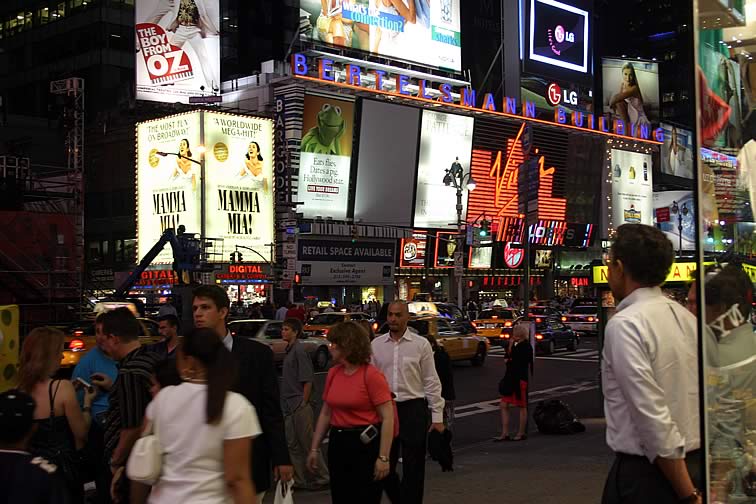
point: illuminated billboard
(325, 156)
(239, 183)
(424, 31)
(178, 49)
(631, 92)
(558, 35)
(168, 186)
(444, 139)
(237, 154)
(632, 189)
(414, 250)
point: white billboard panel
(178, 49)
(632, 188)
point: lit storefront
(246, 284)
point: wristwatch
(691, 498)
(383, 458)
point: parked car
(582, 319)
(80, 338)
(552, 334)
(496, 324)
(458, 345)
(268, 332)
(319, 325)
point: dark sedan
(552, 334)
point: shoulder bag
(145, 463)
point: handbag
(145, 463)
(284, 493)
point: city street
(538, 470)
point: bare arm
(677, 474)
(307, 392)
(77, 419)
(624, 94)
(386, 412)
(324, 421)
(236, 456)
(324, 6)
(408, 13)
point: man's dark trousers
(411, 447)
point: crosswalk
(579, 355)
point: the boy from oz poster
(239, 183)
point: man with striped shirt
(129, 395)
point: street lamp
(680, 212)
(456, 176)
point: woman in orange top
(358, 409)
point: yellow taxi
(496, 324)
(319, 325)
(80, 338)
(458, 345)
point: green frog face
(330, 123)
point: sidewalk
(543, 469)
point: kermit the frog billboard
(325, 156)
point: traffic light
(355, 233)
(236, 257)
(484, 228)
(297, 278)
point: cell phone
(84, 383)
(368, 434)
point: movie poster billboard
(632, 189)
(325, 156)
(677, 151)
(168, 180)
(444, 139)
(673, 210)
(631, 92)
(239, 183)
(424, 31)
(177, 49)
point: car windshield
(584, 310)
(538, 310)
(502, 314)
(327, 319)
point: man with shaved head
(406, 360)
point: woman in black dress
(514, 385)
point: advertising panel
(677, 151)
(632, 191)
(446, 246)
(444, 139)
(178, 49)
(423, 31)
(168, 180)
(326, 156)
(239, 183)
(674, 210)
(341, 262)
(631, 92)
(413, 250)
(558, 35)
(480, 257)
(722, 110)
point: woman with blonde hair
(514, 385)
(62, 426)
(358, 410)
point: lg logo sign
(560, 34)
(555, 95)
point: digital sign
(446, 246)
(481, 257)
(632, 188)
(178, 50)
(413, 250)
(425, 31)
(559, 35)
(444, 139)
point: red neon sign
(513, 256)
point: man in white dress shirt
(406, 360)
(650, 377)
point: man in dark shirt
(168, 327)
(129, 395)
(24, 478)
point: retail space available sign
(341, 262)
(178, 49)
(237, 154)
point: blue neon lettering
(510, 105)
(468, 97)
(379, 75)
(423, 90)
(402, 81)
(325, 70)
(355, 75)
(299, 64)
(529, 109)
(446, 93)
(488, 102)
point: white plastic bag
(284, 492)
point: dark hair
(259, 156)
(39, 355)
(646, 253)
(728, 287)
(214, 293)
(188, 150)
(171, 319)
(295, 325)
(205, 346)
(353, 340)
(166, 373)
(122, 323)
(16, 416)
(368, 327)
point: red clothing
(297, 313)
(353, 399)
(518, 402)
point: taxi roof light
(539, 336)
(76, 345)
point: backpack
(555, 417)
